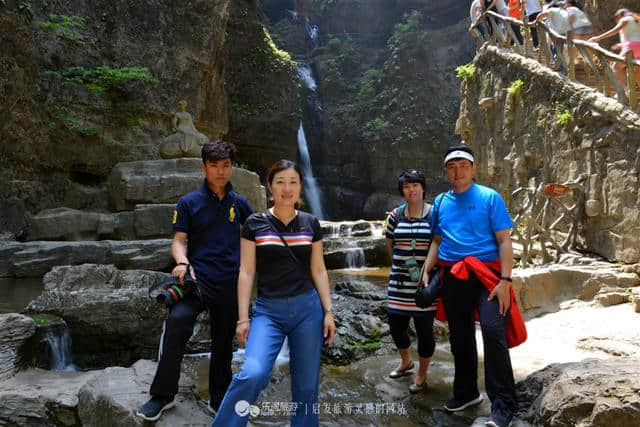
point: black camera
(172, 290)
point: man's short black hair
(460, 147)
(218, 150)
(412, 175)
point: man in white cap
(471, 232)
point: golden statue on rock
(186, 141)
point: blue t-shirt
(215, 256)
(467, 223)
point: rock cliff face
(65, 121)
(385, 76)
(553, 130)
(89, 84)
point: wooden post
(528, 41)
(543, 46)
(631, 80)
(572, 56)
(612, 79)
(493, 29)
(477, 36)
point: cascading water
(311, 187)
(354, 258)
(313, 32)
(59, 350)
(314, 110)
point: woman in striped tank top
(408, 233)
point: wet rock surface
(111, 318)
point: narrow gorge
(355, 91)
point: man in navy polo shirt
(206, 245)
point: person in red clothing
(472, 221)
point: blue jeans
(300, 319)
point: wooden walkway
(587, 63)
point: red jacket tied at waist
(516, 329)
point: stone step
(147, 221)
(165, 181)
(34, 259)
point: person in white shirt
(497, 6)
(475, 13)
(557, 16)
(628, 26)
(578, 21)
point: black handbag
(426, 294)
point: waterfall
(305, 74)
(310, 187)
(283, 355)
(59, 350)
(313, 32)
(355, 258)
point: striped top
(402, 232)
(279, 274)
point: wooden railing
(597, 61)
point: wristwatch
(508, 279)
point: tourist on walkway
(558, 17)
(408, 233)
(284, 247)
(497, 6)
(578, 21)
(514, 12)
(533, 9)
(472, 243)
(205, 246)
(628, 26)
(558, 20)
(475, 13)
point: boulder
(15, 330)
(106, 397)
(542, 289)
(111, 318)
(165, 181)
(635, 300)
(43, 398)
(153, 221)
(112, 397)
(72, 224)
(591, 392)
(361, 228)
(34, 259)
(361, 322)
(606, 299)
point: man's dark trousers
(178, 328)
(461, 299)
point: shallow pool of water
(378, 276)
